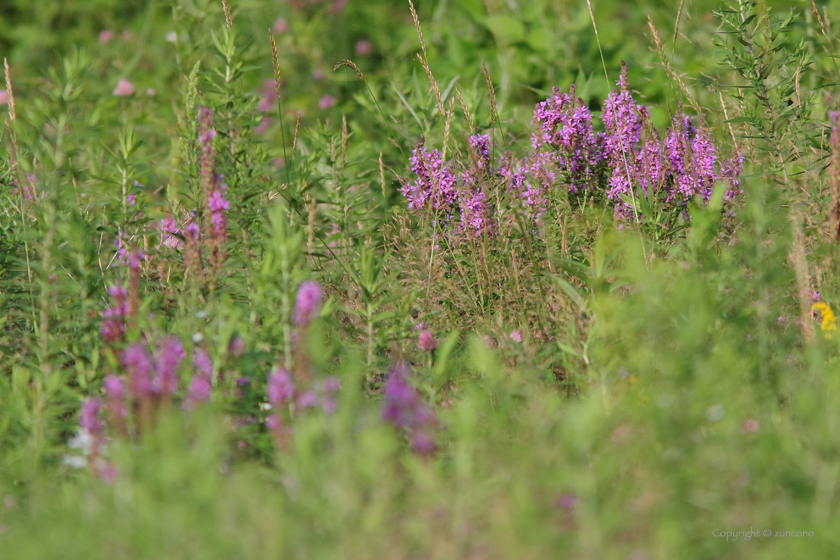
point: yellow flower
(828, 322)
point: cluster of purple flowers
(306, 303)
(210, 241)
(91, 441)
(442, 192)
(625, 162)
(404, 410)
(628, 160)
(151, 377)
(112, 328)
(282, 392)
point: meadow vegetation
(460, 279)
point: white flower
(75, 461)
(82, 441)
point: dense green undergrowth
(251, 307)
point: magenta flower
(89, 417)
(116, 396)
(134, 258)
(404, 409)
(107, 472)
(363, 47)
(306, 399)
(202, 363)
(306, 303)
(281, 390)
(265, 123)
(269, 95)
(750, 426)
(124, 88)
(168, 225)
(422, 444)
(169, 356)
(280, 26)
(200, 389)
(516, 336)
(326, 102)
(331, 384)
(4, 97)
(426, 341)
(567, 501)
(137, 362)
(237, 346)
(436, 184)
(105, 35)
(218, 204)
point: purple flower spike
(331, 384)
(281, 390)
(169, 356)
(306, 303)
(427, 341)
(404, 410)
(306, 400)
(423, 444)
(202, 363)
(139, 366)
(89, 417)
(237, 346)
(116, 396)
(201, 384)
(123, 89)
(328, 405)
(200, 389)
(567, 501)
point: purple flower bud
(306, 399)
(363, 47)
(116, 395)
(331, 384)
(280, 26)
(89, 417)
(306, 303)
(137, 362)
(422, 444)
(114, 387)
(169, 356)
(426, 341)
(328, 405)
(107, 472)
(400, 398)
(237, 346)
(200, 389)
(281, 390)
(326, 102)
(203, 363)
(134, 258)
(123, 89)
(567, 501)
